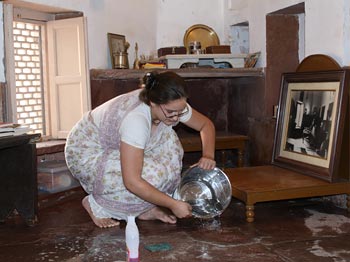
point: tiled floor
(302, 230)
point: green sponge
(158, 247)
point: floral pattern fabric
(93, 156)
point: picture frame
(312, 113)
(251, 60)
(116, 45)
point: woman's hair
(161, 88)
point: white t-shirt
(135, 129)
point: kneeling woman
(127, 156)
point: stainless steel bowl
(209, 192)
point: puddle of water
(213, 224)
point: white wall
(175, 17)
(2, 51)
(346, 43)
(158, 23)
(325, 29)
(136, 19)
(150, 23)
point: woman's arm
(206, 128)
(131, 164)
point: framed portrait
(310, 122)
(116, 45)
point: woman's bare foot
(158, 213)
(100, 222)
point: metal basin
(207, 191)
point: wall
(2, 56)
(325, 29)
(136, 19)
(346, 42)
(175, 17)
(152, 24)
(160, 23)
(325, 35)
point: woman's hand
(206, 128)
(181, 209)
(205, 163)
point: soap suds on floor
(319, 222)
(319, 251)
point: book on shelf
(154, 65)
(12, 129)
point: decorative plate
(201, 33)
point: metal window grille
(28, 75)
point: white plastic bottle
(132, 239)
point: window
(27, 46)
(47, 99)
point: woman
(127, 156)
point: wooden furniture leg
(249, 213)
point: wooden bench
(224, 141)
(268, 183)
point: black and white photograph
(309, 124)
(310, 120)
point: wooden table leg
(249, 213)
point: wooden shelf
(124, 74)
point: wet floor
(302, 230)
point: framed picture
(116, 45)
(310, 122)
(251, 60)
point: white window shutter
(69, 86)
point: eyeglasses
(184, 112)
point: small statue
(137, 61)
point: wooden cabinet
(18, 176)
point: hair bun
(149, 80)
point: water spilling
(213, 224)
(205, 207)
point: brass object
(136, 61)
(200, 33)
(121, 60)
